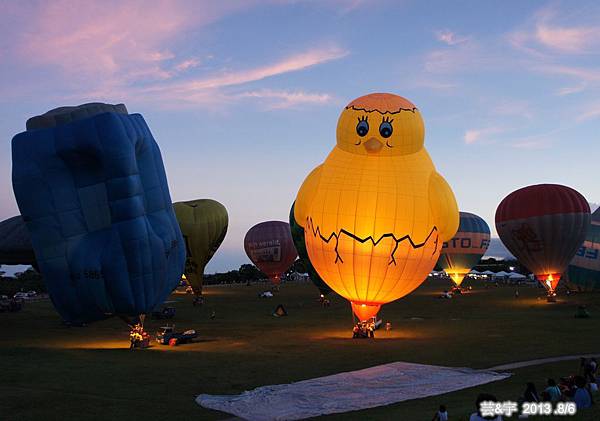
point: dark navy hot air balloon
(584, 269)
(270, 247)
(298, 237)
(543, 226)
(92, 190)
(464, 251)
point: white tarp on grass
(350, 391)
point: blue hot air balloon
(92, 190)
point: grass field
(53, 372)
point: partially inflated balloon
(203, 224)
(270, 247)
(93, 192)
(464, 251)
(584, 269)
(543, 226)
(376, 212)
(298, 236)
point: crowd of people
(579, 388)
(364, 329)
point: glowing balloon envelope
(584, 269)
(270, 247)
(203, 223)
(543, 226)
(376, 212)
(299, 242)
(93, 192)
(464, 251)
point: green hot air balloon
(203, 223)
(298, 236)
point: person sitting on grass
(593, 365)
(477, 416)
(582, 396)
(566, 386)
(553, 391)
(530, 394)
(545, 396)
(441, 414)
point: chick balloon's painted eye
(362, 128)
(385, 129)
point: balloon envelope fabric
(584, 269)
(376, 211)
(203, 223)
(543, 226)
(269, 245)
(93, 193)
(300, 243)
(464, 251)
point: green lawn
(54, 372)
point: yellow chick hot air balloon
(376, 212)
(203, 224)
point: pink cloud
(569, 90)
(549, 31)
(585, 74)
(532, 144)
(450, 38)
(202, 89)
(187, 64)
(550, 39)
(591, 111)
(129, 50)
(469, 54)
(122, 40)
(514, 108)
(288, 99)
(213, 90)
(292, 63)
(476, 135)
(568, 39)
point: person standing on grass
(441, 414)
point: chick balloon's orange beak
(373, 145)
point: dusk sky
(243, 97)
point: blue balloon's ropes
(317, 231)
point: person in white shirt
(441, 414)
